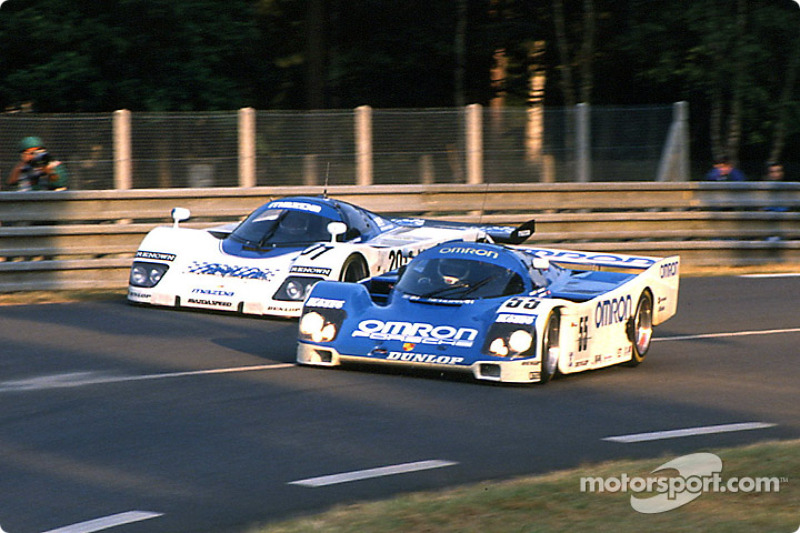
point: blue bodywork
(409, 316)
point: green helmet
(30, 142)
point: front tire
(551, 350)
(354, 269)
(640, 328)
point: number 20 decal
(397, 259)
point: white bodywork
(202, 275)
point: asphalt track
(132, 419)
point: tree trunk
(779, 136)
(567, 85)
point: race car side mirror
(336, 229)
(541, 264)
(179, 214)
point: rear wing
(498, 234)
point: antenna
(327, 173)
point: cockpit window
(458, 279)
(282, 227)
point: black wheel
(640, 328)
(550, 347)
(354, 269)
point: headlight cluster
(295, 288)
(321, 325)
(510, 340)
(147, 274)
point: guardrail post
(474, 143)
(122, 149)
(363, 127)
(247, 147)
(583, 146)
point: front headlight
(321, 325)
(147, 274)
(510, 340)
(520, 341)
(295, 288)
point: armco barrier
(86, 239)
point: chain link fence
(191, 150)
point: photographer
(36, 171)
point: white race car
(267, 264)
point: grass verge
(555, 503)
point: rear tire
(354, 269)
(551, 350)
(640, 328)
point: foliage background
(734, 61)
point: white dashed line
(83, 379)
(106, 522)
(346, 477)
(688, 432)
(723, 335)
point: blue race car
(503, 313)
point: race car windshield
(282, 227)
(458, 279)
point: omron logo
(416, 332)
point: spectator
(724, 171)
(774, 172)
(36, 171)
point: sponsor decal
(230, 271)
(317, 271)
(443, 301)
(279, 309)
(506, 318)
(669, 270)
(302, 206)
(565, 255)
(156, 256)
(416, 332)
(215, 303)
(430, 358)
(480, 252)
(612, 311)
(140, 295)
(213, 292)
(325, 303)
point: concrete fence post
(247, 147)
(474, 135)
(363, 126)
(122, 150)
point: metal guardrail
(86, 239)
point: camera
(40, 159)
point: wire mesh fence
(191, 150)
